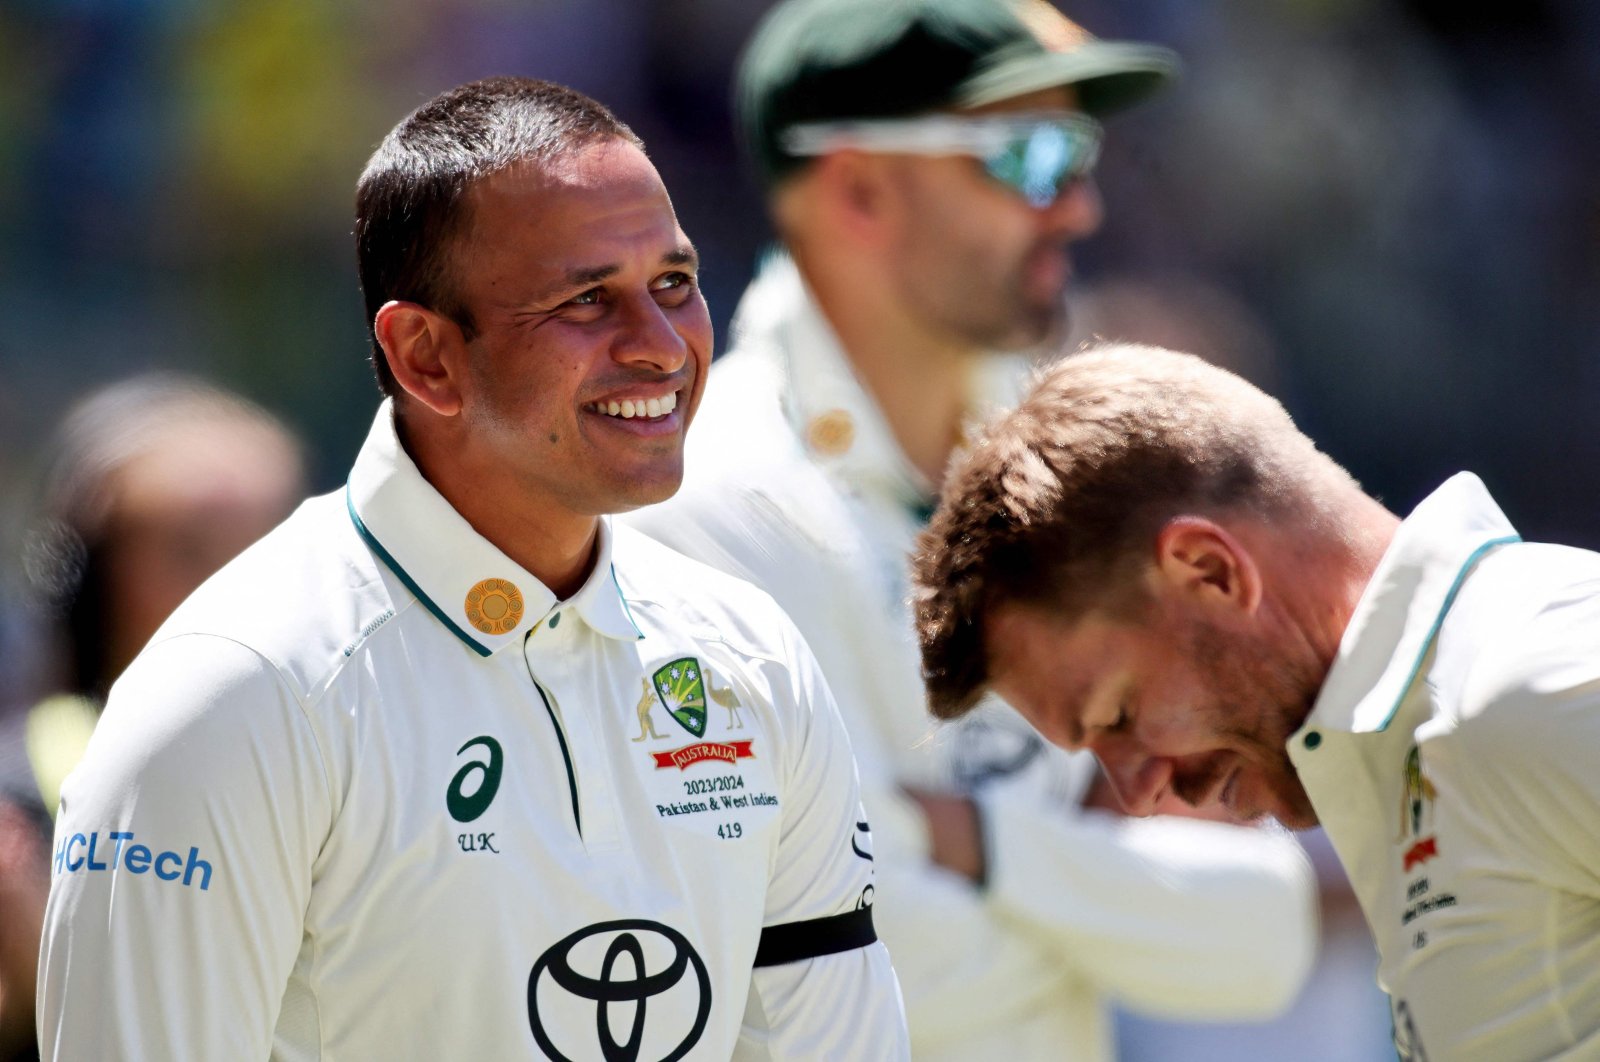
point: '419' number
(729, 830)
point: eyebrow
(582, 278)
(684, 255)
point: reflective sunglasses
(1035, 155)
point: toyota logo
(621, 962)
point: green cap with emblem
(833, 60)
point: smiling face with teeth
(562, 389)
(628, 409)
(567, 391)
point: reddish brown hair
(1055, 504)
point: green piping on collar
(625, 609)
(1438, 621)
(410, 583)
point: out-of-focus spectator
(24, 835)
(24, 885)
(155, 483)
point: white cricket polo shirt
(1454, 758)
(373, 792)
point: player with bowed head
(1150, 561)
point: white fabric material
(1479, 870)
(1179, 918)
(382, 821)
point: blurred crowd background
(1385, 211)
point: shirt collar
(482, 596)
(1403, 606)
(825, 403)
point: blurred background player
(155, 483)
(927, 168)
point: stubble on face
(979, 262)
(1257, 699)
(975, 263)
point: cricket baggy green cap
(837, 60)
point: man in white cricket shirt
(448, 766)
(927, 164)
(1150, 561)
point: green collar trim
(617, 586)
(1438, 621)
(410, 583)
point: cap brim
(1108, 76)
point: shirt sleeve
(1529, 733)
(1175, 917)
(182, 862)
(822, 986)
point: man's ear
(426, 352)
(1202, 559)
(858, 192)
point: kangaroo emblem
(646, 726)
(726, 698)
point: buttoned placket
(561, 652)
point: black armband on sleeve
(815, 937)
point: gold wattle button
(832, 433)
(494, 606)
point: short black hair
(410, 200)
